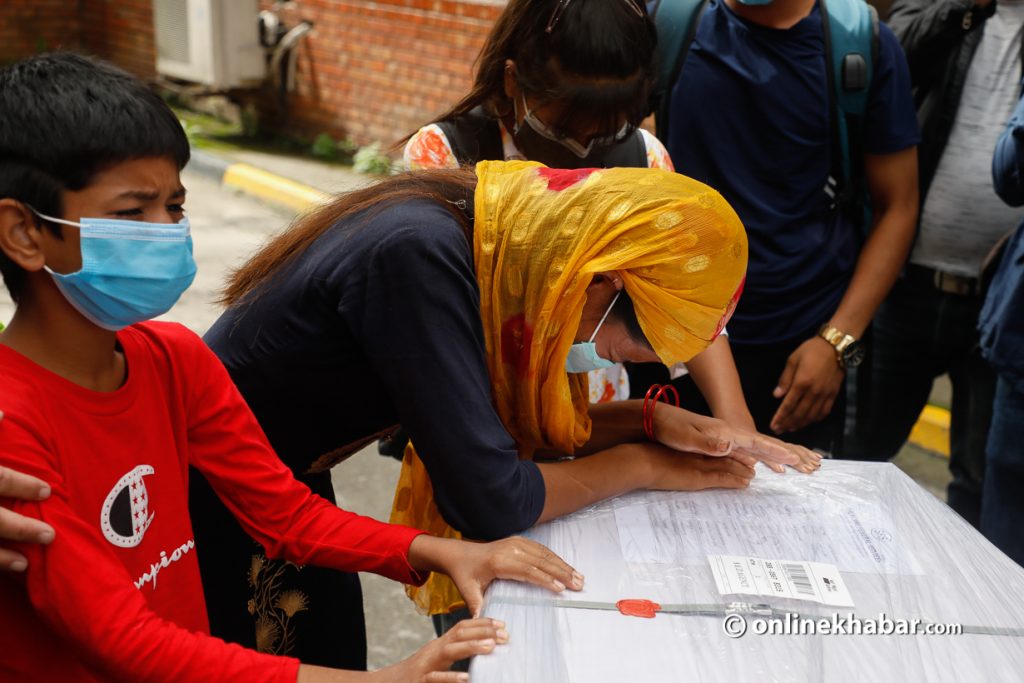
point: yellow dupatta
(540, 235)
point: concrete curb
(256, 182)
(931, 431)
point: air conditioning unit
(211, 42)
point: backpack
(851, 50)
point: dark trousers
(274, 606)
(760, 366)
(1002, 505)
(920, 333)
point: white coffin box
(900, 553)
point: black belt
(944, 282)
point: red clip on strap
(638, 608)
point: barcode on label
(797, 574)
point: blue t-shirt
(750, 117)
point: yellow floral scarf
(540, 235)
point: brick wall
(370, 70)
(118, 30)
(31, 26)
(121, 31)
(378, 70)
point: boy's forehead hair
(67, 116)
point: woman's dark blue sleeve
(417, 316)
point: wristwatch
(849, 351)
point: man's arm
(812, 376)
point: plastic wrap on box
(900, 552)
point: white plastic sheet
(900, 552)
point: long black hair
(598, 58)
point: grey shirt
(962, 217)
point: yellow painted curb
(932, 430)
(272, 187)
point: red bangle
(656, 393)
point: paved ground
(226, 228)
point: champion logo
(125, 516)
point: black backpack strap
(629, 153)
(473, 137)
(676, 22)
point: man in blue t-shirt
(750, 116)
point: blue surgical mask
(131, 271)
(583, 355)
(755, 3)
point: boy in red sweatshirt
(111, 410)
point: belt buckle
(954, 284)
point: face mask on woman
(539, 143)
(583, 355)
(131, 270)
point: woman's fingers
(765, 448)
(690, 472)
(719, 438)
(743, 458)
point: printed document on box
(683, 529)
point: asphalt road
(227, 227)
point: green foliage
(193, 131)
(327, 148)
(324, 147)
(371, 160)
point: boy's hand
(430, 664)
(473, 566)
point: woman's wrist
(658, 393)
(638, 464)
